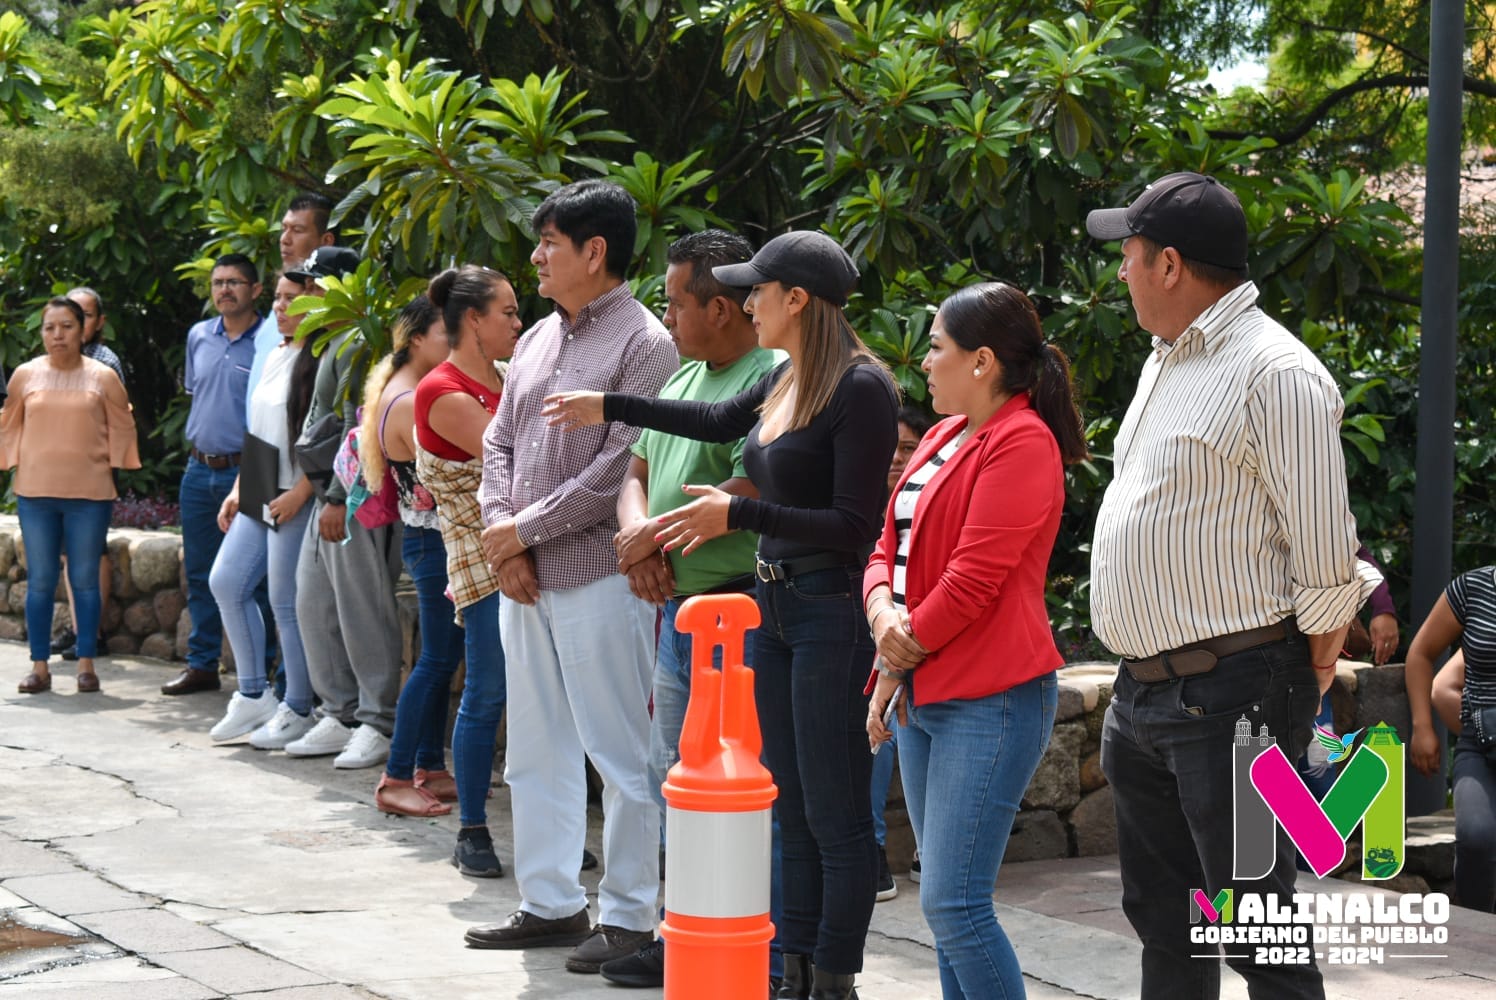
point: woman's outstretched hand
(570, 410)
(701, 520)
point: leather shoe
(35, 683)
(88, 682)
(191, 681)
(526, 930)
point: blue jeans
(479, 712)
(882, 778)
(51, 526)
(201, 495)
(1166, 749)
(672, 691)
(419, 739)
(811, 660)
(965, 767)
(1474, 825)
(251, 556)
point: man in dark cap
(1223, 572)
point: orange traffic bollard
(718, 822)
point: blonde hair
(828, 348)
(416, 318)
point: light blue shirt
(217, 379)
(267, 337)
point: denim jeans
(201, 495)
(1166, 749)
(882, 779)
(672, 692)
(252, 555)
(419, 739)
(811, 659)
(480, 710)
(51, 526)
(966, 764)
(1474, 825)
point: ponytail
(414, 320)
(1053, 396)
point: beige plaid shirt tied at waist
(455, 487)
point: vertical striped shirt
(561, 487)
(1228, 505)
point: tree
(942, 142)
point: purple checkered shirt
(562, 486)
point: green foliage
(942, 142)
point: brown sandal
(88, 682)
(35, 683)
(431, 805)
(439, 784)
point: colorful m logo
(1368, 793)
(1220, 910)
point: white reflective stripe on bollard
(717, 864)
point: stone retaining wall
(146, 613)
(1067, 809)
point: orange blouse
(63, 430)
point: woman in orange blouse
(65, 425)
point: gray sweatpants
(345, 602)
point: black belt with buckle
(216, 461)
(1200, 657)
(779, 570)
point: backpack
(372, 509)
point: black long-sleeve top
(820, 487)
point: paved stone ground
(198, 871)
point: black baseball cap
(1195, 214)
(326, 262)
(804, 259)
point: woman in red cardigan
(954, 595)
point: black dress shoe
(526, 930)
(191, 681)
(64, 639)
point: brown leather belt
(1200, 657)
(216, 461)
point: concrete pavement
(190, 870)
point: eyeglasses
(228, 282)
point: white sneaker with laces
(244, 716)
(327, 736)
(282, 729)
(367, 748)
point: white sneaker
(282, 729)
(367, 748)
(244, 716)
(327, 736)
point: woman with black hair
(66, 425)
(252, 549)
(416, 781)
(954, 595)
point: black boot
(828, 986)
(796, 982)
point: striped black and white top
(1472, 597)
(1228, 507)
(904, 502)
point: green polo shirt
(676, 461)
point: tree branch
(1316, 114)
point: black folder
(259, 470)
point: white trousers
(578, 666)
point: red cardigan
(979, 549)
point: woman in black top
(820, 433)
(1464, 616)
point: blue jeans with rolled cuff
(419, 738)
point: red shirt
(444, 378)
(979, 549)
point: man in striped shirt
(1223, 570)
(578, 644)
